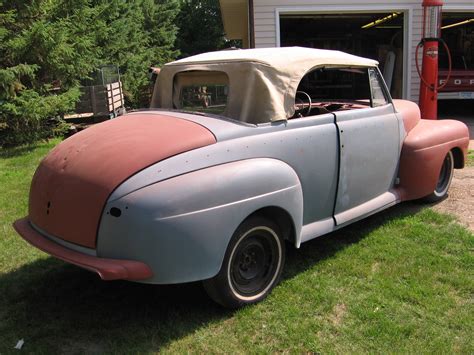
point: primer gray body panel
(370, 149)
(181, 227)
(309, 146)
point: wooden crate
(101, 100)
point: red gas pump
(430, 43)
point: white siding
(266, 14)
(417, 31)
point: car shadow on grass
(57, 307)
(61, 308)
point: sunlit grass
(470, 158)
(400, 281)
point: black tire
(444, 180)
(252, 264)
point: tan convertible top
(263, 82)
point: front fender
(181, 227)
(423, 152)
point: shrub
(48, 47)
(29, 116)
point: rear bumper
(108, 269)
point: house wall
(267, 12)
(235, 19)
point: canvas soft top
(263, 82)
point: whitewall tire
(252, 264)
(444, 180)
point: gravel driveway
(460, 201)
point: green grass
(470, 158)
(400, 281)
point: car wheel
(252, 264)
(444, 180)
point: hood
(72, 184)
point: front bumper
(108, 269)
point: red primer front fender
(423, 152)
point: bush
(48, 47)
(29, 116)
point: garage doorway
(378, 35)
(458, 33)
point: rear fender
(181, 227)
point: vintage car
(242, 151)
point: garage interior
(458, 33)
(377, 35)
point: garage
(377, 35)
(387, 31)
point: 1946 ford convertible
(241, 152)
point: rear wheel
(444, 180)
(252, 265)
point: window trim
(382, 84)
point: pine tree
(48, 47)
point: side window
(378, 93)
(336, 85)
(324, 90)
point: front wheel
(252, 264)
(444, 180)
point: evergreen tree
(49, 46)
(142, 36)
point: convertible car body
(241, 151)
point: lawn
(400, 281)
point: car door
(369, 147)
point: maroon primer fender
(423, 153)
(410, 113)
(71, 185)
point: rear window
(201, 91)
